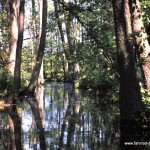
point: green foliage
(6, 81)
(27, 60)
(93, 52)
(146, 97)
(25, 79)
(145, 4)
(53, 66)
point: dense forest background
(80, 43)
(102, 46)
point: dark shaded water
(72, 119)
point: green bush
(6, 81)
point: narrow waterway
(73, 119)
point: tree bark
(12, 10)
(66, 53)
(17, 73)
(39, 59)
(71, 44)
(16, 46)
(130, 98)
(59, 22)
(129, 94)
(142, 46)
(41, 74)
(33, 101)
(146, 73)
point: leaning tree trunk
(142, 46)
(39, 59)
(33, 102)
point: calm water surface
(72, 119)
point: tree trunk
(39, 60)
(66, 53)
(33, 102)
(12, 10)
(16, 46)
(129, 93)
(142, 46)
(33, 33)
(146, 72)
(41, 74)
(59, 21)
(71, 40)
(129, 87)
(77, 50)
(17, 73)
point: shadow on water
(72, 119)
(135, 133)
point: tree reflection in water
(72, 120)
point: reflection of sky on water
(26, 121)
(57, 105)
